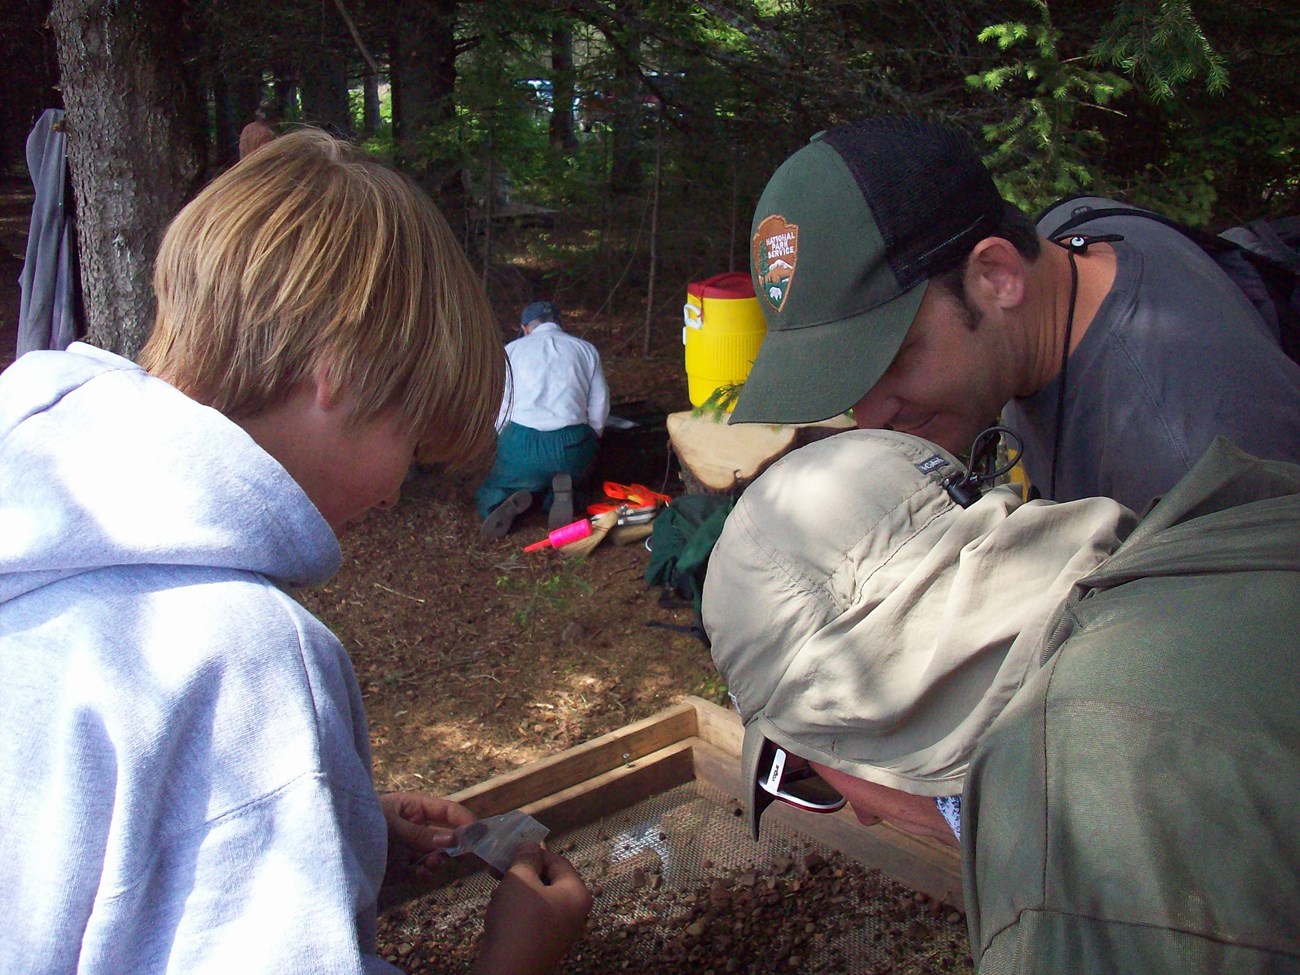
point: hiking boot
(502, 518)
(562, 503)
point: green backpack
(684, 536)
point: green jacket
(1136, 808)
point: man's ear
(996, 273)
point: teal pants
(527, 459)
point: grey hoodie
(185, 772)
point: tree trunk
(225, 123)
(625, 174)
(563, 91)
(285, 94)
(654, 235)
(325, 92)
(235, 102)
(423, 68)
(371, 117)
(136, 150)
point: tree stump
(717, 457)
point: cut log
(718, 457)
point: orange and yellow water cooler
(723, 330)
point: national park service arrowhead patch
(774, 256)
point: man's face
(945, 384)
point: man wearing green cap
(1099, 711)
(897, 283)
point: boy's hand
(419, 825)
(535, 916)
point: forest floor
(473, 656)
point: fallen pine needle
(416, 599)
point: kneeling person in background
(554, 410)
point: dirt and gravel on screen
(473, 656)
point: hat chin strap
(967, 488)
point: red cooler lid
(731, 284)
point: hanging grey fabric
(49, 311)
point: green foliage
(1170, 133)
(1040, 148)
(1129, 97)
(720, 402)
(1163, 46)
(713, 689)
(543, 595)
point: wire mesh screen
(680, 886)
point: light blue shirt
(554, 381)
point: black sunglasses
(800, 786)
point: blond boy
(190, 785)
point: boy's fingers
(530, 859)
(422, 838)
(564, 882)
(556, 868)
(552, 873)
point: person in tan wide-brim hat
(1098, 711)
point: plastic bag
(497, 839)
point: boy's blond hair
(310, 256)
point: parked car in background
(595, 108)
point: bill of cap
(805, 375)
(756, 798)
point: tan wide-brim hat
(863, 619)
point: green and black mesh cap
(846, 235)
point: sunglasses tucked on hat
(547, 311)
(779, 775)
(845, 237)
(864, 620)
